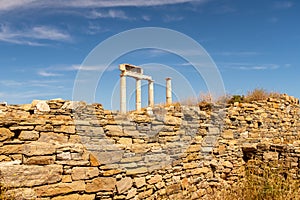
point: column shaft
(168, 91)
(138, 95)
(123, 94)
(150, 94)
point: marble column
(168, 91)
(150, 94)
(138, 98)
(122, 94)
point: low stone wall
(69, 150)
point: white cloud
(146, 18)
(115, 14)
(11, 4)
(248, 66)
(32, 36)
(48, 74)
(10, 83)
(238, 53)
(171, 18)
(91, 68)
(54, 70)
(6, 5)
(48, 33)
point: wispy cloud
(283, 5)
(249, 66)
(237, 53)
(146, 18)
(32, 36)
(48, 74)
(6, 5)
(114, 14)
(172, 18)
(56, 70)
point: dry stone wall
(70, 150)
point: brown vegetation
(261, 182)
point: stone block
(140, 182)
(75, 197)
(155, 179)
(38, 148)
(5, 134)
(51, 137)
(29, 135)
(65, 129)
(270, 156)
(30, 175)
(227, 134)
(59, 189)
(124, 185)
(101, 184)
(39, 160)
(125, 141)
(135, 171)
(81, 173)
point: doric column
(150, 93)
(138, 98)
(122, 93)
(168, 91)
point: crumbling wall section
(70, 150)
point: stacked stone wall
(70, 150)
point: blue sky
(43, 43)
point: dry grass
(257, 94)
(261, 183)
(3, 190)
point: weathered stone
(59, 189)
(21, 193)
(81, 173)
(131, 159)
(203, 170)
(124, 184)
(111, 172)
(39, 160)
(4, 158)
(108, 157)
(5, 134)
(94, 161)
(65, 129)
(101, 184)
(66, 179)
(135, 171)
(16, 128)
(131, 193)
(125, 141)
(155, 179)
(29, 135)
(227, 164)
(38, 148)
(144, 194)
(75, 197)
(14, 176)
(227, 134)
(171, 120)
(175, 188)
(51, 137)
(270, 155)
(140, 182)
(44, 128)
(41, 106)
(11, 149)
(189, 165)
